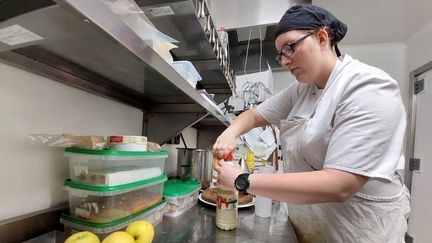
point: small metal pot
(196, 163)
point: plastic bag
(134, 17)
(68, 140)
(153, 147)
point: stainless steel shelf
(87, 46)
(198, 41)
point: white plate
(239, 206)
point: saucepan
(195, 163)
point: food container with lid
(187, 70)
(105, 204)
(127, 143)
(153, 214)
(113, 168)
(181, 195)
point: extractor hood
(255, 20)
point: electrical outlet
(416, 165)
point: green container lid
(72, 184)
(84, 222)
(108, 152)
(180, 188)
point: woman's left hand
(227, 173)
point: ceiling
(379, 21)
(369, 21)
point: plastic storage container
(112, 168)
(187, 71)
(181, 195)
(106, 204)
(154, 215)
(127, 143)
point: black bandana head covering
(309, 17)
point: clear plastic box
(187, 71)
(113, 168)
(181, 195)
(101, 204)
(153, 214)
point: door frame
(411, 121)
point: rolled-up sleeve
(278, 106)
(369, 126)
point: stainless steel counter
(198, 225)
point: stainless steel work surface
(199, 225)
(50, 237)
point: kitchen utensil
(210, 37)
(214, 37)
(196, 163)
(203, 9)
(216, 45)
(207, 28)
(198, 9)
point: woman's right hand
(224, 145)
(226, 142)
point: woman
(342, 127)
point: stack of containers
(109, 189)
(180, 195)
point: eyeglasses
(288, 49)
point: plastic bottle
(226, 208)
(250, 161)
(223, 37)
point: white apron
(356, 220)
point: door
(419, 226)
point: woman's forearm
(225, 143)
(245, 122)
(307, 187)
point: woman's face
(305, 61)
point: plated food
(210, 195)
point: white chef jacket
(356, 124)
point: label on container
(15, 35)
(127, 139)
(226, 212)
(226, 203)
(116, 139)
(161, 11)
